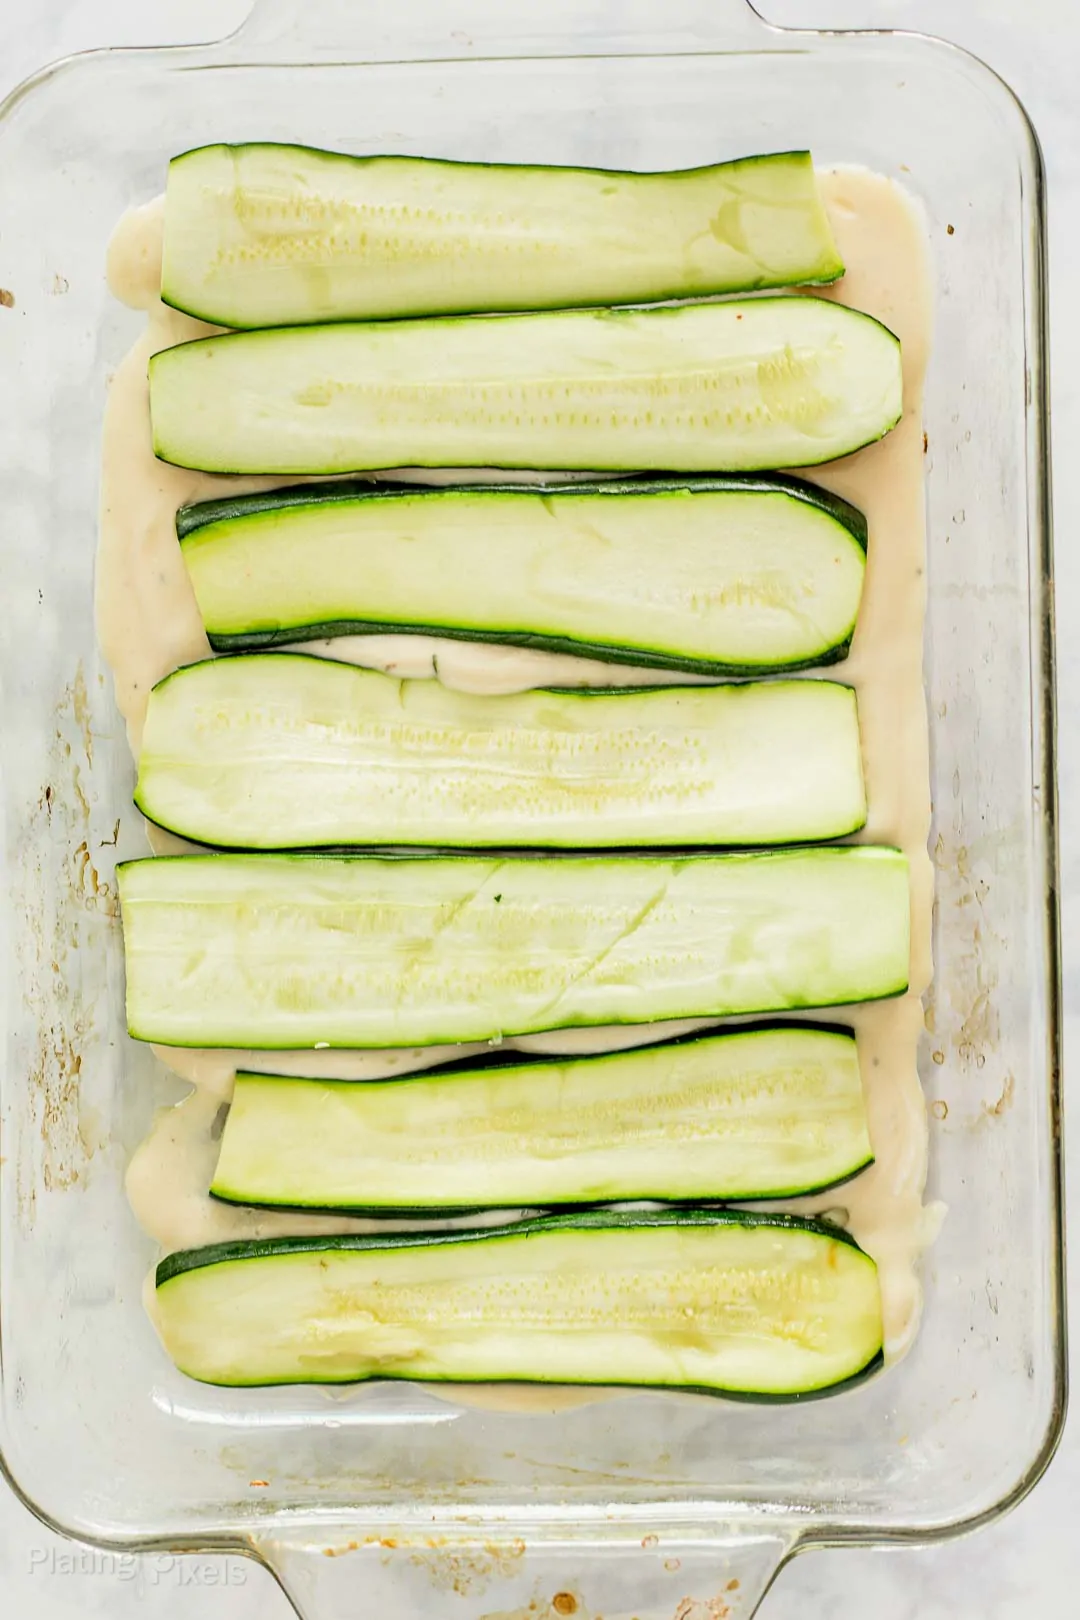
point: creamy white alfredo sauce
(148, 624)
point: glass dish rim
(240, 48)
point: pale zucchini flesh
(352, 951)
(268, 235)
(710, 575)
(759, 1113)
(739, 385)
(767, 1307)
(277, 751)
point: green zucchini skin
(196, 515)
(564, 1206)
(352, 558)
(743, 1115)
(225, 1328)
(260, 234)
(296, 951)
(214, 1254)
(267, 641)
(278, 751)
(739, 385)
(528, 641)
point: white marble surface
(1030, 1563)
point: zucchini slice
(276, 751)
(756, 383)
(268, 235)
(305, 950)
(762, 1113)
(715, 575)
(760, 1306)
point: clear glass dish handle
(371, 30)
(720, 1574)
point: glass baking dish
(640, 1505)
